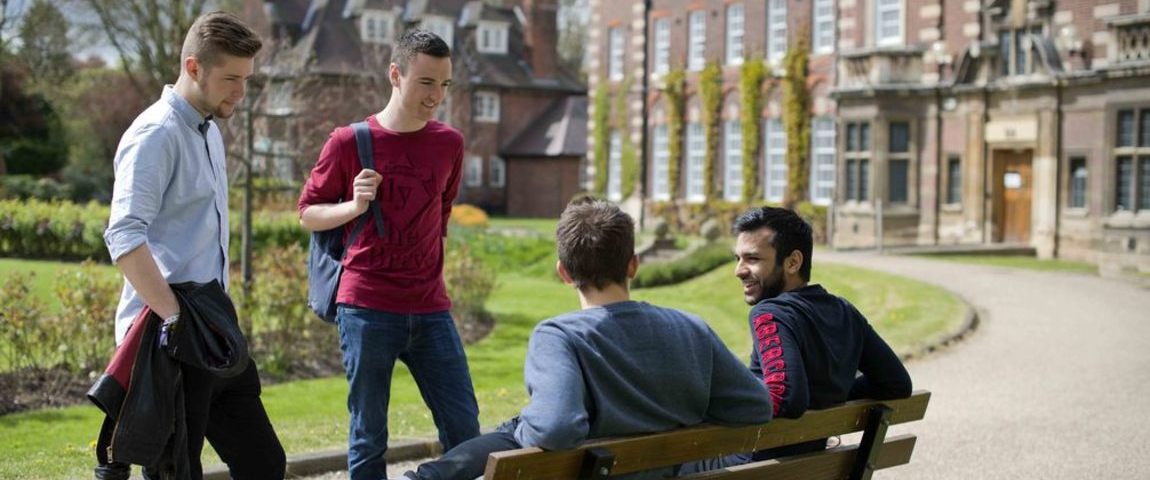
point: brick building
(959, 122)
(510, 96)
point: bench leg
(878, 419)
(597, 464)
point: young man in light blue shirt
(169, 224)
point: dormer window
(375, 26)
(492, 37)
(440, 26)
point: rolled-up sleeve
(144, 166)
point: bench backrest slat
(634, 454)
(832, 464)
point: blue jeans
(428, 344)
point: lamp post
(255, 86)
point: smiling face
(423, 87)
(758, 268)
(221, 85)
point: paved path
(1054, 384)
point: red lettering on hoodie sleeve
(774, 369)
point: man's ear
(192, 66)
(794, 262)
(393, 75)
(563, 273)
(632, 267)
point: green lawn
(311, 414)
(44, 276)
(1029, 263)
(544, 226)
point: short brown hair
(596, 242)
(219, 33)
(415, 42)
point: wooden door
(1014, 193)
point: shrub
(469, 283)
(24, 187)
(695, 263)
(88, 301)
(20, 324)
(466, 215)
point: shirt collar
(186, 111)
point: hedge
(698, 262)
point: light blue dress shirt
(171, 193)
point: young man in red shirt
(392, 302)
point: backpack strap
(363, 148)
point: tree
(32, 139)
(572, 21)
(44, 44)
(148, 36)
(9, 17)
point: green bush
(469, 282)
(696, 263)
(24, 187)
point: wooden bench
(603, 458)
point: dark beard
(773, 286)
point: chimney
(542, 36)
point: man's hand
(364, 188)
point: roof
(560, 131)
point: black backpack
(326, 249)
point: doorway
(1012, 197)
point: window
(775, 151)
(375, 26)
(660, 169)
(1016, 51)
(486, 106)
(492, 37)
(443, 113)
(822, 160)
(615, 61)
(735, 34)
(776, 30)
(857, 154)
(615, 168)
(898, 163)
(1132, 160)
(696, 152)
(441, 27)
(823, 34)
(497, 168)
(954, 180)
(733, 170)
(473, 174)
(696, 39)
(1078, 176)
(662, 46)
(888, 22)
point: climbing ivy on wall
(629, 154)
(797, 120)
(674, 90)
(711, 89)
(751, 96)
(601, 117)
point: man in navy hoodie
(811, 348)
(615, 367)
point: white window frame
(774, 160)
(881, 7)
(370, 23)
(736, 32)
(733, 160)
(473, 172)
(822, 160)
(776, 30)
(823, 27)
(696, 154)
(486, 107)
(660, 163)
(491, 37)
(696, 40)
(441, 26)
(662, 46)
(615, 167)
(617, 39)
(497, 172)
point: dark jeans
(229, 413)
(467, 460)
(744, 458)
(371, 342)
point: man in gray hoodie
(615, 367)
